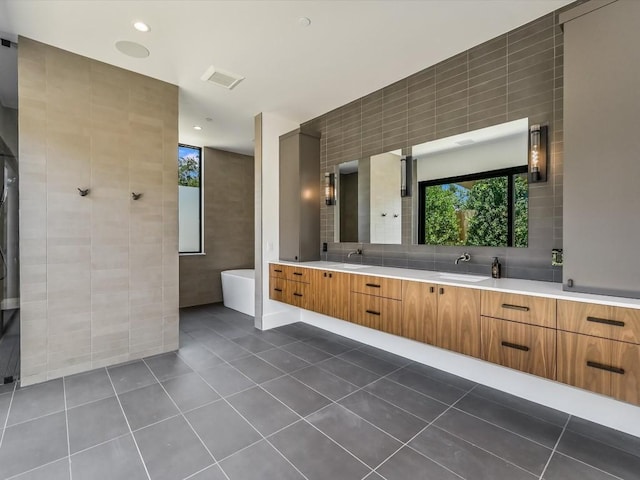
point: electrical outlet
(556, 257)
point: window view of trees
(490, 211)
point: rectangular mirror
(469, 189)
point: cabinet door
(519, 308)
(331, 291)
(625, 376)
(277, 289)
(458, 326)
(527, 348)
(299, 294)
(580, 362)
(419, 311)
(600, 320)
(366, 310)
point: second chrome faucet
(465, 257)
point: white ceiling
(352, 48)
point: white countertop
(506, 285)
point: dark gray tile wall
(516, 75)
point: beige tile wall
(99, 274)
(228, 227)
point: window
(189, 199)
(481, 209)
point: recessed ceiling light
(304, 21)
(141, 26)
(197, 127)
(132, 49)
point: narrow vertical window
(190, 199)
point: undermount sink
(352, 266)
(462, 277)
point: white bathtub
(238, 290)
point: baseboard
(278, 319)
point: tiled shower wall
(516, 75)
(99, 273)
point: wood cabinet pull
(515, 307)
(331, 275)
(615, 323)
(515, 345)
(431, 289)
(325, 274)
(296, 294)
(441, 291)
(277, 271)
(373, 285)
(278, 289)
(297, 273)
(373, 312)
(608, 368)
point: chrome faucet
(465, 257)
(357, 251)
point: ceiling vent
(221, 78)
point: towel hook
(135, 195)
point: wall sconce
(330, 188)
(406, 166)
(538, 153)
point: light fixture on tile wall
(330, 188)
(538, 153)
(406, 164)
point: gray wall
(519, 74)
(9, 128)
(228, 227)
(602, 203)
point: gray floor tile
(147, 405)
(87, 387)
(518, 404)
(198, 356)
(306, 352)
(53, 471)
(365, 441)
(253, 343)
(513, 448)
(223, 431)
(440, 376)
(373, 476)
(465, 459)
(7, 388)
(391, 419)
(167, 366)
(211, 473)
(117, 459)
(329, 346)
(296, 396)
(410, 465)
(95, 423)
(34, 443)
(324, 382)
(396, 360)
(228, 330)
(130, 376)
(263, 411)
(373, 364)
(226, 349)
(309, 450)
(189, 391)
(36, 401)
(256, 369)
(533, 428)
(294, 331)
(602, 456)
(600, 433)
(565, 468)
(285, 361)
(407, 399)
(226, 380)
(427, 386)
(259, 462)
(349, 372)
(5, 402)
(171, 450)
(274, 338)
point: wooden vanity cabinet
(331, 293)
(419, 311)
(376, 302)
(292, 285)
(603, 321)
(519, 308)
(458, 322)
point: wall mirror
(468, 189)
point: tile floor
(297, 402)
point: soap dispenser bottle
(495, 268)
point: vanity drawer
(376, 312)
(277, 289)
(600, 320)
(378, 286)
(298, 274)
(519, 308)
(277, 271)
(299, 294)
(527, 348)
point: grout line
(555, 447)
(6, 420)
(129, 425)
(66, 422)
